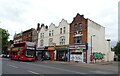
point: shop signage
(31, 48)
(77, 47)
(16, 49)
(76, 57)
(51, 48)
(40, 48)
(61, 48)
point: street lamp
(91, 42)
(109, 49)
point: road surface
(41, 68)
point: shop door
(39, 55)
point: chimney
(82, 15)
(38, 26)
(42, 25)
(46, 27)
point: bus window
(30, 53)
(14, 53)
(19, 45)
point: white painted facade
(99, 44)
(56, 33)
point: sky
(20, 15)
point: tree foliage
(4, 36)
(117, 50)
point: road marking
(100, 72)
(13, 66)
(33, 72)
(58, 69)
(5, 59)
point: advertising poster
(76, 57)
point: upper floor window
(40, 35)
(60, 30)
(52, 32)
(64, 30)
(24, 37)
(80, 27)
(49, 33)
(29, 34)
(50, 41)
(41, 42)
(78, 40)
(75, 27)
(62, 40)
(43, 35)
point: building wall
(109, 55)
(76, 20)
(99, 43)
(18, 37)
(56, 33)
(28, 35)
(34, 36)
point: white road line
(100, 72)
(5, 59)
(33, 72)
(58, 68)
(13, 66)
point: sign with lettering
(51, 48)
(61, 48)
(31, 48)
(16, 49)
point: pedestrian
(91, 58)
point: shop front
(61, 53)
(78, 53)
(40, 53)
(50, 53)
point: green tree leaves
(4, 36)
(117, 50)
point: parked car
(1, 55)
(5, 56)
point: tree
(4, 36)
(117, 50)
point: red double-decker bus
(24, 51)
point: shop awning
(80, 50)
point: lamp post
(91, 42)
(108, 50)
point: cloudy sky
(20, 15)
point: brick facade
(77, 20)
